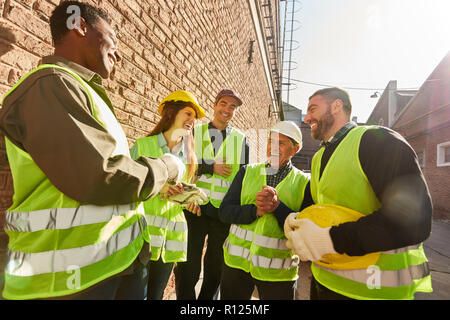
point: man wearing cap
(260, 198)
(221, 150)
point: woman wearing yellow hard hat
(165, 220)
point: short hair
(58, 19)
(334, 93)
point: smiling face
(184, 119)
(224, 109)
(320, 118)
(101, 48)
(280, 149)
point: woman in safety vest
(165, 220)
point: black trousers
(158, 276)
(319, 292)
(238, 285)
(187, 273)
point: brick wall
(196, 45)
(437, 177)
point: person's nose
(118, 55)
(307, 118)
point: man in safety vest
(260, 198)
(374, 171)
(221, 150)
(74, 228)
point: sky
(363, 44)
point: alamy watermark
(73, 21)
(74, 280)
(374, 280)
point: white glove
(310, 242)
(291, 223)
(175, 168)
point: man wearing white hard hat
(260, 198)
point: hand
(221, 168)
(309, 241)
(260, 212)
(172, 189)
(175, 167)
(291, 223)
(195, 209)
(267, 199)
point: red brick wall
(425, 132)
(196, 45)
(437, 177)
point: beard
(323, 125)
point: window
(443, 154)
(381, 122)
(421, 157)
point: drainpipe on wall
(256, 16)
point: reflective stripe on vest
(261, 261)
(56, 245)
(260, 240)
(166, 222)
(169, 245)
(26, 264)
(399, 273)
(380, 281)
(260, 247)
(162, 222)
(215, 186)
(63, 218)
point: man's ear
(79, 26)
(337, 105)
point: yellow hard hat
(186, 96)
(329, 215)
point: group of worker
(92, 219)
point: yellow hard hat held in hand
(329, 215)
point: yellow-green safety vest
(215, 186)
(165, 220)
(58, 246)
(260, 247)
(398, 273)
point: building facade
(424, 120)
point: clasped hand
(266, 200)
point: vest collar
(85, 73)
(339, 134)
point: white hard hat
(290, 129)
